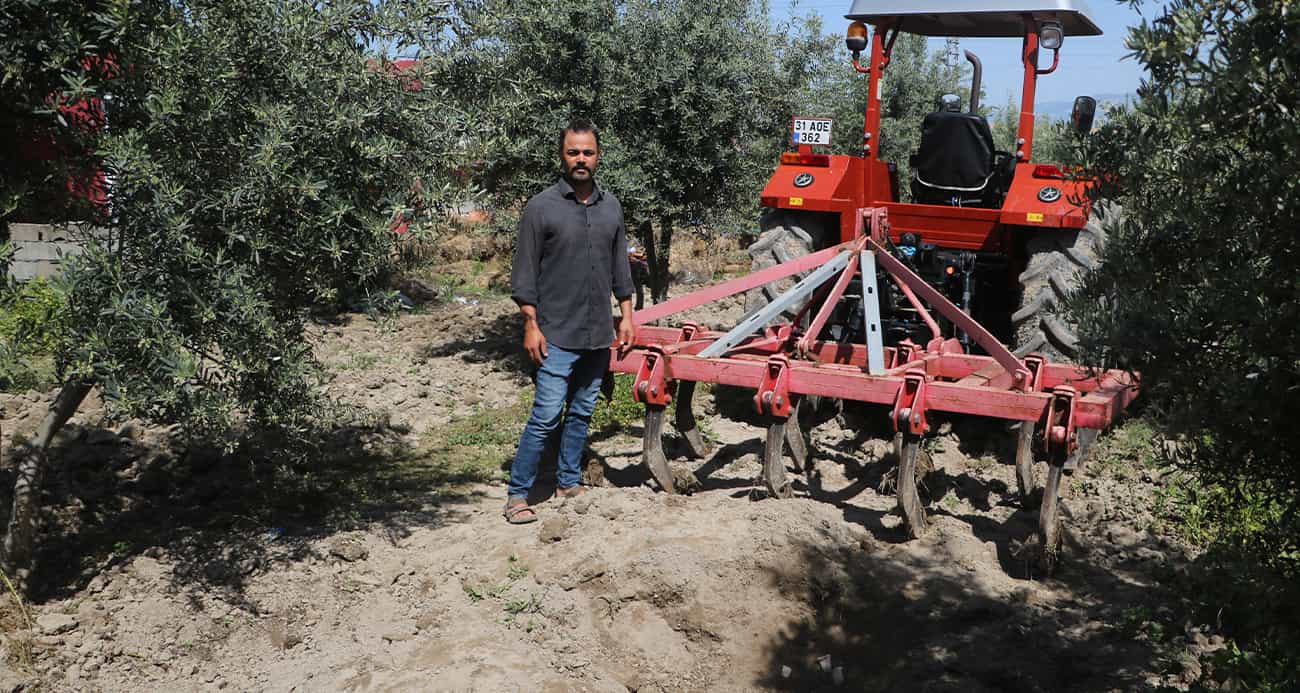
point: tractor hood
(1001, 18)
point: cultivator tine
(1049, 520)
(1060, 440)
(684, 420)
(909, 500)
(653, 448)
(794, 440)
(1025, 460)
(778, 486)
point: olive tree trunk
(658, 248)
(29, 461)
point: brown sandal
(571, 492)
(517, 506)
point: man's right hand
(534, 342)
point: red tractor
(1001, 236)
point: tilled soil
(624, 588)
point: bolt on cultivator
(783, 363)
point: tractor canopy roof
(999, 18)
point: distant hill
(1061, 109)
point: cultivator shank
(783, 364)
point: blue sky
(1089, 65)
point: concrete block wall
(40, 247)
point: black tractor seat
(956, 163)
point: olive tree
(259, 152)
(1198, 287)
(693, 101)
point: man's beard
(570, 171)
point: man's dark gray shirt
(569, 258)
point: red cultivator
(784, 363)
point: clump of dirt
(624, 588)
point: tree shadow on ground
(904, 622)
(222, 518)
(496, 342)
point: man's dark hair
(576, 126)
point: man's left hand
(626, 334)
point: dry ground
(402, 575)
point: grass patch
(1124, 451)
(469, 279)
(622, 411)
(16, 617)
(619, 412)
(358, 362)
(475, 447)
(32, 321)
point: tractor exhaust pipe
(975, 82)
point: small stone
(54, 624)
(426, 620)
(554, 529)
(349, 549)
(581, 504)
(417, 290)
(97, 584)
(399, 633)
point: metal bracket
(1058, 430)
(773, 396)
(652, 385)
(909, 404)
(872, 222)
(905, 352)
(689, 330)
(1035, 363)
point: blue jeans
(567, 377)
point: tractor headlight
(1050, 35)
(856, 40)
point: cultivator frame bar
(784, 364)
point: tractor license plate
(812, 130)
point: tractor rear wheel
(1058, 260)
(783, 236)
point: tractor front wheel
(783, 236)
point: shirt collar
(566, 190)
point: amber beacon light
(856, 40)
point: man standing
(571, 255)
